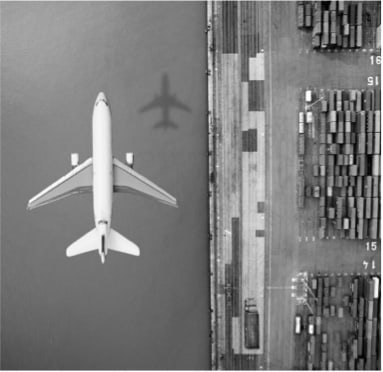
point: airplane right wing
(127, 180)
(173, 101)
(78, 180)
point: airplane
(103, 175)
(165, 101)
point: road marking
(270, 188)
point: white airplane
(102, 174)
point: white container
(308, 96)
(74, 159)
(309, 117)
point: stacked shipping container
(349, 163)
(335, 24)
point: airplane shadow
(165, 101)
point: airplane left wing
(157, 102)
(78, 180)
(127, 180)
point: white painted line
(270, 188)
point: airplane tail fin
(119, 243)
(86, 243)
(90, 242)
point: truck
(251, 324)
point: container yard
(339, 323)
(340, 24)
(294, 162)
(342, 160)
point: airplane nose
(101, 98)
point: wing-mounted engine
(74, 159)
(129, 159)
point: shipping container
(331, 213)
(340, 312)
(346, 223)
(300, 15)
(360, 228)
(360, 207)
(359, 37)
(324, 105)
(376, 281)
(298, 324)
(368, 210)
(301, 117)
(308, 96)
(353, 170)
(373, 228)
(315, 170)
(377, 122)
(361, 143)
(301, 127)
(339, 161)
(359, 13)
(377, 99)
(309, 116)
(361, 163)
(375, 207)
(350, 191)
(376, 147)
(361, 121)
(330, 160)
(322, 122)
(301, 144)
(375, 186)
(359, 186)
(318, 324)
(322, 170)
(358, 105)
(370, 121)
(332, 127)
(352, 36)
(376, 165)
(308, 15)
(322, 159)
(370, 143)
(367, 187)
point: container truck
(251, 325)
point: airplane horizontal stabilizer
(128, 180)
(88, 242)
(78, 180)
(119, 243)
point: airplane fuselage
(102, 170)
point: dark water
(149, 312)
